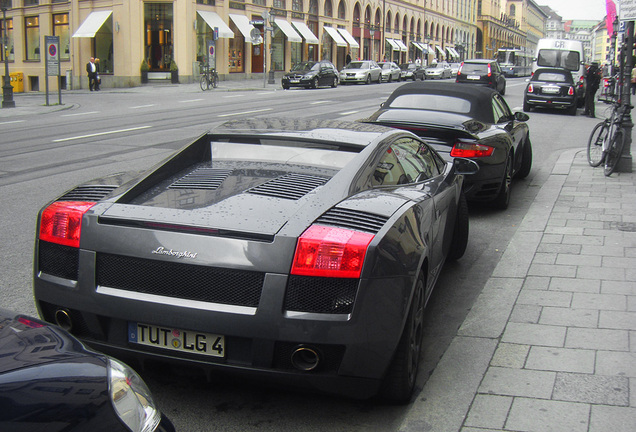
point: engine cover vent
(88, 193)
(290, 186)
(353, 219)
(202, 178)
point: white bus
(563, 53)
(514, 62)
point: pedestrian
(91, 70)
(592, 81)
(348, 59)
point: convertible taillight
(530, 88)
(489, 70)
(61, 222)
(471, 150)
(330, 252)
(571, 91)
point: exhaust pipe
(305, 358)
(63, 319)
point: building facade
(169, 34)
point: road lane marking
(245, 112)
(12, 121)
(319, 102)
(101, 134)
(80, 114)
(233, 96)
(349, 112)
(190, 100)
(143, 106)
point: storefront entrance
(159, 40)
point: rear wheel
(526, 160)
(460, 232)
(614, 151)
(595, 155)
(314, 83)
(368, 81)
(503, 197)
(334, 83)
(399, 381)
(204, 83)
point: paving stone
(559, 248)
(575, 285)
(528, 314)
(614, 302)
(536, 415)
(545, 298)
(584, 241)
(561, 359)
(632, 392)
(618, 320)
(551, 238)
(552, 270)
(579, 260)
(618, 287)
(510, 355)
(598, 339)
(614, 419)
(614, 363)
(594, 389)
(489, 411)
(536, 283)
(544, 258)
(518, 382)
(602, 273)
(534, 334)
(600, 250)
(618, 262)
(569, 317)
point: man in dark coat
(91, 70)
(592, 81)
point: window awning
(440, 51)
(350, 39)
(394, 46)
(243, 24)
(305, 32)
(403, 47)
(289, 31)
(93, 22)
(453, 52)
(335, 36)
(419, 46)
(427, 48)
(214, 20)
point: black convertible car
(551, 88)
(295, 249)
(467, 121)
(49, 382)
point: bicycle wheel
(614, 152)
(205, 84)
(595, 153)
(214, 82)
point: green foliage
(173, 66)
(144, 66)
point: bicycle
(209, 79)
(607, 139)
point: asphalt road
(106, 132)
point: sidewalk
(558, 352)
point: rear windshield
(569, 60)
(432, 102)
(475, 68)
(551, 76)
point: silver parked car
(364, 71)
(439, 70)
(390, 71)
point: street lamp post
(7, 89)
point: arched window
(397, 22)
(388, 21)
(367, 16)
(418, 33)
(378, 18)
(513, 10)
(313, 7)
(356, 15)
(342, 10)
(328, 8)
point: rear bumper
(550, 102)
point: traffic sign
(628, 10)
(257, 22)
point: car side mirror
(521, 116)
(465, 166)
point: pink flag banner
(610, 8)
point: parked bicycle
(209, 79)
(607, 139)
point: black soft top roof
(479, 97)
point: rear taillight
(571, 91)
(61, 222)
(471, 150)
(530, 88)
(489, 70)
(330, 252)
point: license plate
(294, 81)
(550, 90)
(172, 339)
(473, 77)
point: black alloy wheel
(314, 83)
(459, 242)
(368, 81)
(502, 200)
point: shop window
(9, 47)
(278, 50)
(159, 35)
(296, 53)
(32, 38)
(103, 47)
(204, 34)
(61, 29)
(236, 49)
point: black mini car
(50, 382)
(551, 88)
(483, 72)
(311, 74)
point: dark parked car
(277, 247)
(466, 121)
(551, 88)
(412, 71)
(311, 74)
(483, 72)
(50, 382)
